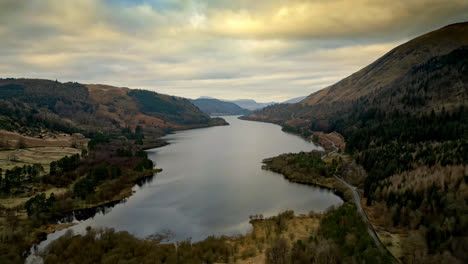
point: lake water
(211, 182)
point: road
(357, 201)
(370, 229)
(334, 146)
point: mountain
(28, 104)
(387, 83)
(250, 104)
(218, 107)
(404, 119)
(294, 100)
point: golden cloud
(333, 18)
(263, 49)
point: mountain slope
(71, 107)
(375, 80)
(393, 65)
(218, 107)
(405, 121)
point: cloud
(265, 50)
(336, 18)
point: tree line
(13, 180)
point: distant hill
(294, 100)
(27, 104)
(250, 104)
(218, 107)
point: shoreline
(119, 198)
(320, 185)
(88, 211)
(331, 148)
(39, 234)
(61, 222)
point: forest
(416, 168)
(413, 144)
(310, 168)
(412, 140)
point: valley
(72, 146)
(195, 201)
(370, 169)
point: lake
(212, 181)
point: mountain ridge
(90, 108)
(294, 100)
(250, 104)
(379, 76)
(434, 43)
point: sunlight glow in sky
(264, 50)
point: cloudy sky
(265, 50)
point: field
(49, 147)
(42, 148)
(37, 155)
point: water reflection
(212, 181)
(86, 213)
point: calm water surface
(211, 182)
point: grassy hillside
(429, 68)
(393, 65)
(29, 105)
(405, 121)
(218, 107)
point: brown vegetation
(30, 106)
(338, 236)
(12, 140)
(377, 83)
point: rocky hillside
(29, 105)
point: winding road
(357, 201)
(334, 146)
